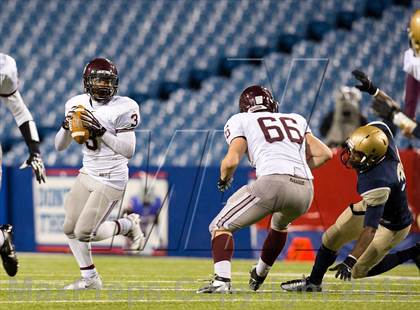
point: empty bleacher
(186, 61)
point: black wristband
(350, 261)
(30, 135)
(65, 125)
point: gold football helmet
(365, 147)
(414, 32)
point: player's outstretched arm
(317, 153)
(385, 107)
(29, 132)
(230, 162)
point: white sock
(125, 225)
(106, 230)
(1, 238)
(262, 268)
(223, 269)
(82, 253)
(89, 273)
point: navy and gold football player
(378, 222)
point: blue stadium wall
(194, 202)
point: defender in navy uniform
(378, 222)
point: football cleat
(135, 234)
(7, 251)
(91, 283)
(218, 285)
(300, 285)
(255, 281)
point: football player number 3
(274, 129)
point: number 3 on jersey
(273, 129)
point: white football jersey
(8, 75)
(412, 64)
(9, 93)
(276, 142)
(99, 161)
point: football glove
(223, 185)
(92, 124)
(384, 110)
(344, 269)
(67, 119)
(35, 162)
(367, 85)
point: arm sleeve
(123, 143)
(30, 134)
(62, 139)
(24, 121)
(233, 129)
(18, 108)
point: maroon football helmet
(100, 79)
(257, 98)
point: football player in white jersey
(100, 185)
(10, 95)
(283, 150)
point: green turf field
(170, 283)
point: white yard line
(382, 292)
(366, 282)
(221, 300)
(277, 275)
(331, 276)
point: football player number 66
(273, 129)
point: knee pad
(68, 228)
(329, 238)
(83, 236)
(359, 272)
(277, 228)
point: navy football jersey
(388, 173)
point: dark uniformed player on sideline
(379, 222)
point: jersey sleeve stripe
(124, 130)
(375, 189)
(8, 95)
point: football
(79, 132)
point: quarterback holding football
(283, 150)
(103, 123)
